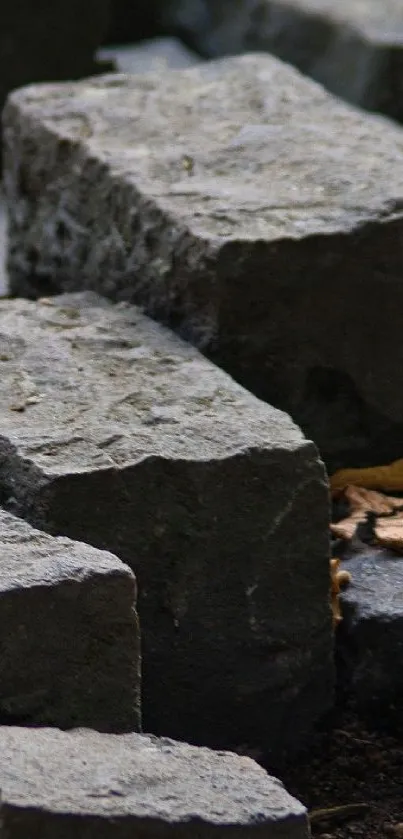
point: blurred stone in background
(353, 47)
(3, 276)
(149, 56)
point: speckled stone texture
(69, 633)
(244, 206)
(86, 785)
(149, 56)
(353, 47)
(115, 432)
(370, 638)
(3, 246)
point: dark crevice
(33, 286)
(347, 430)
(24, 720)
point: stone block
(87, 785)
(353, 47)
(149, 56)
(244, 206)
(370, 645)
(115, 432)
(69, 633)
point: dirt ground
(356, 766)
(353, 765)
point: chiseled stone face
(70, 647)
(82, 783)
(117, 433)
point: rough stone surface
(123, 436)
(150, 56)
(353, 47)
(69, 632)
(56, 41)
(371, 640)
(244, 206)
(87, 785)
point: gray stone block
(241, 204)
(353, 47)
(371, 636)
(87, 785)
(115, 432)
(69, 633)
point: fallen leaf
(389, 478)
(361, 502)
(389, 532)
(339, 578)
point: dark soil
(354, 764)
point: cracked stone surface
(69, 633)
(87, 785)
(370, 640)
(115, 432)
(353, 47)
(244, 206)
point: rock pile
(352, 47)
(116, 433)
(243, 206)
(260, 218)
(70, 642)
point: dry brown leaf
(339, 578)
(389, 532)
(361, 502)
(389, 478)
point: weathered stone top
(375, 17)
(30, 557)
(242, 148)
(139, 775)
(377, 593)
(111, 387)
